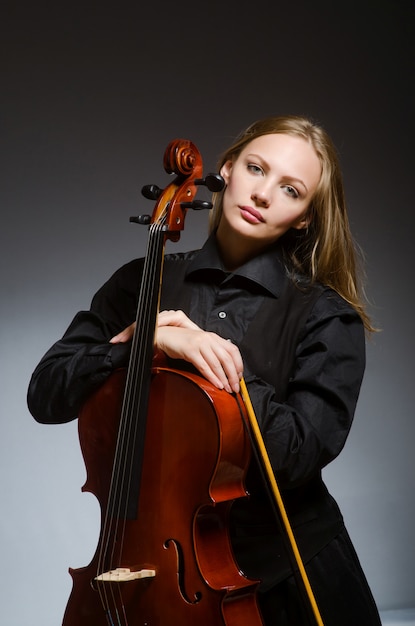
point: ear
(225, 170)
(303, 221)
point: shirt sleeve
(309, 429)
(83, 358)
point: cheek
(286, 218)
(228, 194)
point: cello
(166, 454)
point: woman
(273, 295)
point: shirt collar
(266, 270)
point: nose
(261, 196)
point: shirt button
(222, 315)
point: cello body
(166, 454)
(194, 464)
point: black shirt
(303, 365)
(217, 291)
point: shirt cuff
(120, 355)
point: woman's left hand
(165, 318)
(176, 318)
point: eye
(291, 191)
(255, 169)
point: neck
(236, 250)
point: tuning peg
(151, 192)
(214, 182)
(196, 205)
(141, 219)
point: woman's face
(269, 188)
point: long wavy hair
(324, 251)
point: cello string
(145, 329)
(118, 477)
(132, 387)
(128, 433)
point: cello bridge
(124, 574)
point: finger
(236, 358)
(176, 318)
(231, 363)
(210, 368)
(125, 335)
(225, 363)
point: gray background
(90, 97)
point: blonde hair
(325, 250)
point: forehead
(280, 142)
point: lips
(251, 214)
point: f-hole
(197, 596)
